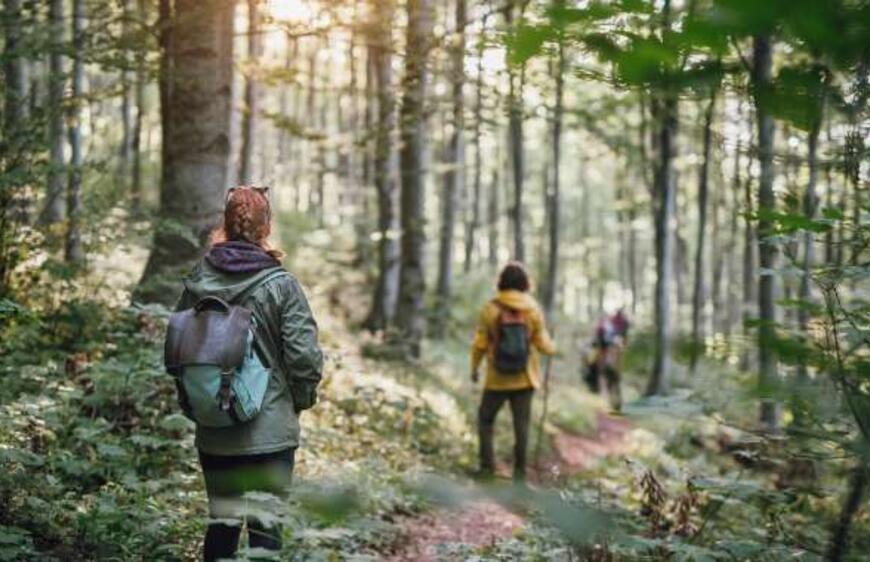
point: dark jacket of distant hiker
(286, 336)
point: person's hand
(475, 377)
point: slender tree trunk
(493, 213)
(516, 137)
(250, 116)
(54, 209)
(14, 208)
(384, 301)
(553, 193)
(838, 546)
(665, 111)
(733, 305)
(700, 288)
(139, 117)
(761, 78)
(196, 89)
(810, 205)
(73, 250)
(474, 222)
(412, 126)
(750, 283)
(453, 178)
(125, 162)
(15, 82)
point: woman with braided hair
(242, 268)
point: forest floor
(484, 522)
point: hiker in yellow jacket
(511, 335)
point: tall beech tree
(664, 105)
(454, 177)
(196, 84)
(73, 249)
(762, 69)
(380, 59)
(699, 293)
(251, 110)
(412, 127)
(515, 10)
(54, 207)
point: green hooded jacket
(286, 337)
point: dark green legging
(521, 410)
(227, 480)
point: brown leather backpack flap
(207, 337)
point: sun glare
(290, 10)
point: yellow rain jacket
(540, 340)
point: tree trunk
(516, 138)
(196, 88)
(15, 83)
(73, 250)
(699, 293)
(252, 95)
(839, 543)
(136, 142)
(384, 301)
(453, 178)
(750, 284)
(127, 92)
(761, 78)
(553, 194)
(493, 213)
(412, 126)
(665, 112)
(810, 205)
(14, 208)
(54, 208)
(474, 221)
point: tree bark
(492, 214)
(762, 61)
(700, 287)
(454, 177)
(412, 126)
(839, 543)
(125, 153)
(665, 112)
(384, 301)
(15, 83)
(136, 141)
(196, 88)
(252, 95)
(54, 207)
(474, 221)
(810, 205)
(553, 193)
(516, 137)
(73, 250)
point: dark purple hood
(239, 257)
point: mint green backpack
(210, 351)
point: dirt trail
(484, 522)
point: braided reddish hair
(247, 217)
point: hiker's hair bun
(247, 218)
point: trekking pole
(543, 420)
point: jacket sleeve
(541, 338)
(184, 302)
(302, 357)
(481, 341)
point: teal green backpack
(210, 351)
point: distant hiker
(243, 348)
(510, 334)
(603, 370)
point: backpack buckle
(225, 392)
